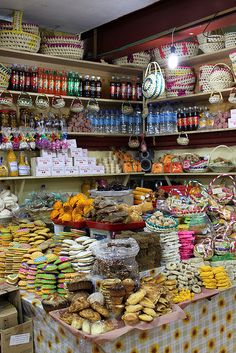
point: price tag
(15, 340)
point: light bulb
(173, 59)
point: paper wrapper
(121, 329)
(206, 293)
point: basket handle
(41, 95)
(17, 20)
(77, 99)
(221, 64)
(6, 92)
(190, 182)
(25, 94)
(214, 149)
(218, 92)
(223, 176)
(156, 68)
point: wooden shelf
(185, 174)
(90, 65)
(191, 97)
(101, 100)
(67, 176)
(194, 132)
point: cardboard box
(40, 172)
(80, 162)
(232, 123)
(85, 153)
(84, 170)
(58, 163)
(69, 162)
(18, 339)
(62, 153)
(12, 295)
(8, 315)
(92, 161)
(71, 171)
(99, 169)
(58, 171)
(72, 143)
(78, 152)
(48, 153)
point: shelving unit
(193, 132)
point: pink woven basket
(183, 50)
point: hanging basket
(76, 106)
(6, 98)
(216, 98)
(153, 83)
(182, 49)
(17, 39)
(221, 165)
(42, 102)
(24, 100)
(93, 106)
(221, 77)
(230, 40)
(232, 96)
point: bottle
(14, 81)
(168, 118)
(150, 126)
(70, 85)
(100, 126)
(34, 79)
(92, 87)
(129, 89)
(137, 121)
(134, 91)
(112, 121)
(162, 120)
(116, 124)
(130, 124)
(106, 122)
(27, 87)
(21, 74)
(12, 164)
(195, 118)
(57, 83)
(63, 84)
(98, 87)
(81, 86)
(51, 78)
(40, 80)
(139, 90)
(86, 88)
(45, 81)
(118, 88)
(123, 119)
(123, 89)
(156, 122)
(113, 88)
(76, 85)
(22, 167)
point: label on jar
(23, 170)
(13, 167)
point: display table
(210, 327)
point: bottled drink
(195, 118)
(118, 88)
(98, 87)
(150, 126)
(63, 84)
(27, 87)
(70, 86)
(162, 128)
(100, 127)
(51, 78)
(139, 89)
(45, 81)
(34, 79)
(81, 86)
(12, 163)
(156, 122)
(40, 80)
(86, 86)
(113, 88)
(106, 122)
(123, 123)
(137, 121)
(23, 168)
(112, 121)
(130, 124)
(116, 125)
(129, 89)
(134, 91)
(13, 84)
(92, 87)
(21, 74)
(168, 118)
(123, 89)
(95, 123)
(76, 85)
(57, 83)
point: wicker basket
(182, 49)
(179, 93)
(208, 37)
(222, 194)
(71, 51)
(209, 48)
(230, 40)
(221, 167)
(204, 86)
(27, 27)
(221, 77)
(140, 59)
(57, 39)
(17, 39)
(205, 71)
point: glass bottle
(92, 87)
(98, 87)
(12, 164)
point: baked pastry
(96, 297)
(117, 290)
(79, 284)
(86, 327)
(100, 309)
(150, 312)
(97, 328)
(90, 314)
(77, 323)
(135, 298)
(130, 318)
(54, 302)
(133, 308)
(145, 317)
(78, 304)
(67, 317)
(147, 303)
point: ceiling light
(191, 33)
(173, 58)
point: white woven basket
(232, 57)
(179, 93)
(179, 71)
(27, 27)
(221, 77)
(71, 51)
(182, 49)
(230, 40)
(209, 48)
(17, 39)
(205, 71)
(204, 86)
(140, 59)
(56, 39)
(208, 37)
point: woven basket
(205, 71)
(230, 40)
(214, 189)
(179, 71)
(221, 77)
(71, 51)
(208, 37)
(209, 48)
(17, 39)
(5, 73)
(219, 167)
(56, 39)
(27, 27)
(182, 49)
(179, 93)
(232, 57)
(140, 59)
(204, 86)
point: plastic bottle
(51, 78)
(45, 81)
(130, 124)
(12, 163)
(14, 81)
(118, 88)
(123, 88)
(40, 80)
(70, 85)
(92, 87)
(57, 83)
(80, 86)
(150, 126)
(137, 121)
(34, 79)
(86, 88)
(113, 88)
(168, 118)
(23, 168)
(134, 90)
(129, 89)
(117, 122)
(123, 119)
(98, 87)
(21, 74)
(27, 87)
(63, 84)
(101, 128)
(106, 121)
(139, 89)
(156, 122)
(162, 120)
(76, 85)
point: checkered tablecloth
(210, 327)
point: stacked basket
(18, 39)
(4, 77)
(140, 59)
(232, 57)
(204, 74)
(180, 81)
(66, 46)
(210, 43)
(182, 49)
(230, 40)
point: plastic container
(116, 259)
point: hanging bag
(76, 106)
(216, 98)
(58, 102)
(93, 106)
(42, 101)
(6, 98)
(153, 83)
(183, 139)
(133, 142)
(24, 100)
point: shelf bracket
(167, 179)
(126, 180)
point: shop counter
(209, 327)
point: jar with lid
(4, 114)
(12, 119)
